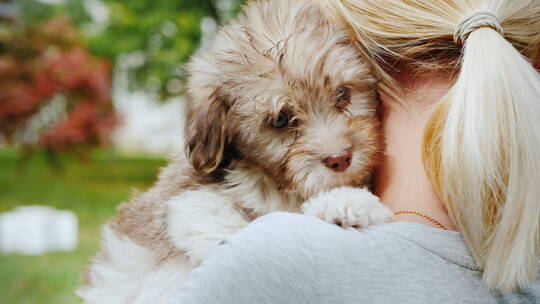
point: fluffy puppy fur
(278, 92)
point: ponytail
(488, 150)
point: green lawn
(91, 190)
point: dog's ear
(206, 127)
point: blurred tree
(165, 33)
(53, 93)
(162, 34)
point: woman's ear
(205, 133)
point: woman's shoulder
(370, 256)
(285, 235)
(293, 226)
(275, 259)
(294, 258)
(298, 232)
(291, 234)
(278, 238)
(302, 247)
(271, 260)
(288, 227)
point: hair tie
(474, 22)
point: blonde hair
(482, 145)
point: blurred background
(91, 104)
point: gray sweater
(291, 258)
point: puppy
(281, 111)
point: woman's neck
(401, 181)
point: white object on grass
(35, 230)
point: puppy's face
(301, 109)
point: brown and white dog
(282, 110)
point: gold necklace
(425, 216)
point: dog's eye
(343, 96)
(282, 120)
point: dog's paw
(347, 207)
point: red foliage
(86, 125)
(43, 66)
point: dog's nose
(339, 162)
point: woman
(460, 99)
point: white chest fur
(199, 219)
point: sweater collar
(447, 244)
